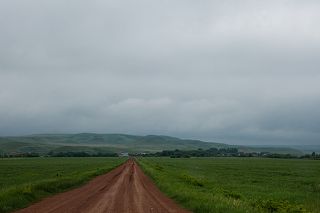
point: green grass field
(26, 180)
(238, 184)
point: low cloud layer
(227, 71)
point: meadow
(238, 184)
(26, 180)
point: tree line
(212, 152)
(223, 152)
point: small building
(123, 154)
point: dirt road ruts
(124, 189)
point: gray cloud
(229, 71)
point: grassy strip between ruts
(22, 194)
(237, 185)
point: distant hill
(307, 149)
(93, 143)
(90, 142)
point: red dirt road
(124, 189)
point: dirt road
(124, 189)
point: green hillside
(94, 143)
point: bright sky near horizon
(242, 72)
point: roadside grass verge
(236, 185)
(42, 177)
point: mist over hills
(95, 143)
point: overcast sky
(240, 72)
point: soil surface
(124, 189)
